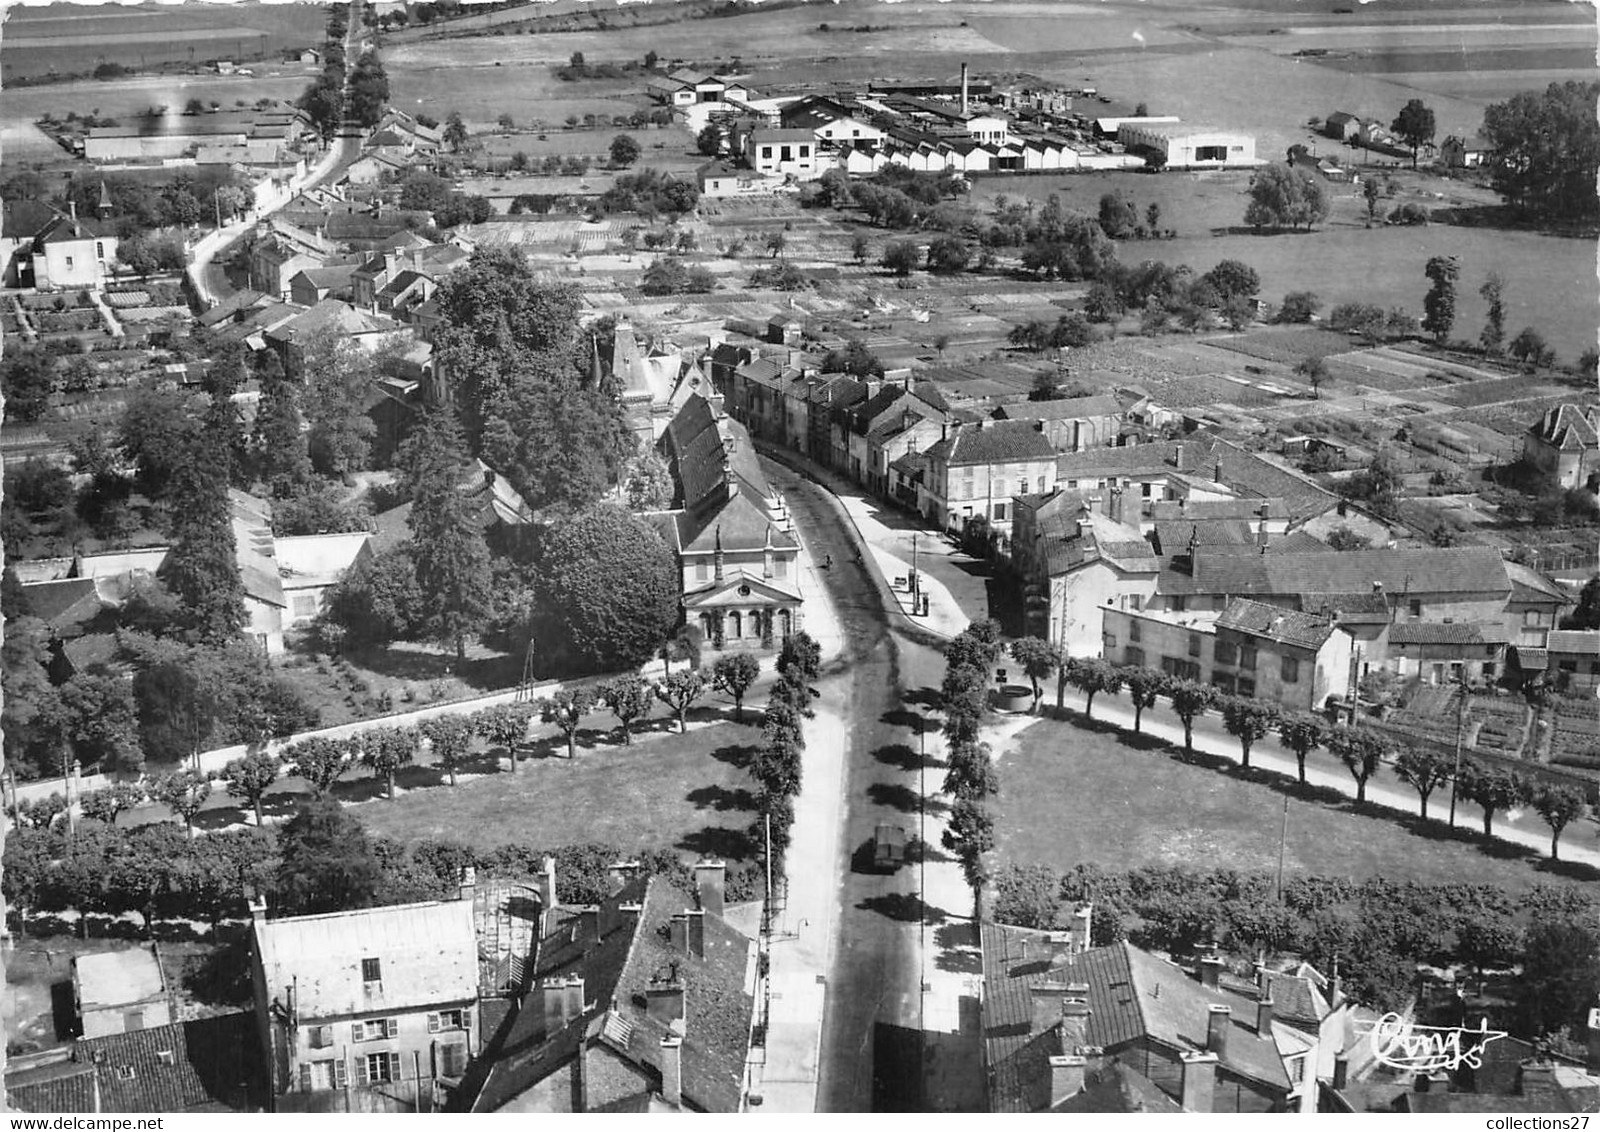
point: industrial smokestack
(963, 90)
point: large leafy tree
(450, 736)
(1546, 150)
(679, 691)
(249, 778)
(1439, 304)
(185, 793)
(320, 761)
(202, 569)
(101, 715)
(385, 750)
(280, 451)
(1249, 721)
(1190, 699)
(452, 560)
(732, 675)
(327, 861)
(1414, 125)
(609, 588)
(511, 357)
(337, 379)
(1493, 789)
(1302, 734)
(1423, 771)
(1285, 197)
(1361, 752)
(566, 709)
(1092, 675)
(1038, 658)
(1145, 686)
(628, 698)
(1559, 806)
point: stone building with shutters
(374, 1010)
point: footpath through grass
(1073, 793)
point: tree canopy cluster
(1284, 196)
(1546, 150)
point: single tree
(776, 763)
(1249, 721)
(1439, 305)
(1493, 336)
(624, 151)
(105, 804)
(1315, 371)
(800, 658)
(859, 247)
(327, 863)
(1302, 734)
(709, 140)
(1028, 896)
(455, 132)
(971, 772)
(320, 761)
(1414, 125)
(1091, 676)
(251, 777)
(505, 725)
(732, 675)
(1528, 348)
(1190, 699)
(450, 736)
(452, 560)
(1559, 806)
(1152, 217)
(776, 243)
(1374, 198)
(1362, 753)
(1145, 686)
(1493, 789)
(384, 750)
(679, 691)
(969, 833)
(184, 792)
(612, 586)
(1423, 771)
(1038, 659)
(901, 256)
(566, 709)
(628, 698)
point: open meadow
(1073, 794)
(74, 39)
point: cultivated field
(72, 39)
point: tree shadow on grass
(927, 697)
(1139, 741)
(905, 908)
(218, 817)
(722, 798)
(958, 948)
(718, 841)
(903, 757)
(920, 850)
(483, 673)
(1572, 870)
(64, 1011)
(735, 755)
(364, 789)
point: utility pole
(1455, 775)
(1283, 845)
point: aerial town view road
(761, 556)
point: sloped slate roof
(1067, 409)
(1446, 633)
(1567, 427)
(210, 1065)
(1583, 642)
(999, 442)
(1422, 571)
(1287, 626)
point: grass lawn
(690, 792)
(1072, 794)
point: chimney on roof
(573, 1002)
(258, 909)
(1075, 1014)
(697, 933)
(1199, 1080)
(664, 999)
(1218, 1023)
(672, 1069)
(620, 873)
(1217, 475)
(710, 880)
(1210, 970)
(548, 898)
(1066, 1077)
(1264, 1017)
(1081, 929)
(678, 932)
(1177, 455)
(1341, 1071)
(1049, 1005)
(588, 922)
(469, 882)
(963, 90)
(1377, 588)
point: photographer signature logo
(1401, 1044)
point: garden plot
(1503, 389)
(1285, 345)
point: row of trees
(1362, 751)
(971, 779)
(1528, 347)
(776, 764)
(324, 99)
(322, 860)
(1375, 931)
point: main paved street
(873, 1054)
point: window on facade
(1180, 602)
(1416, 607)
(1289, 671)
(378, 1067)
(320, 1037)
(786, 153)
(374, 1029)
(1133, 654)
(1144, 490)
(452, 1060)
(1225, 652)
(999, 512)
(1533, 617)
(1247, 658)
(1133, 631)
(371, 970)
(448, 1020)
(766, 151)
(1000, 486)
(1194, 644)
(69, 263)
(1247, 686)
(1224, 682)
(99, 250)
(305, 605)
